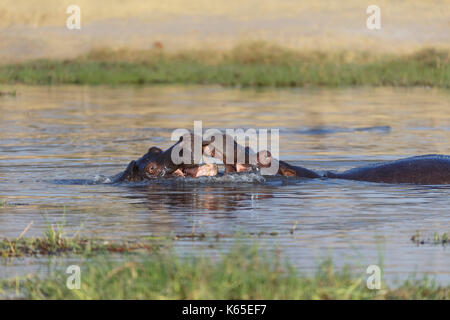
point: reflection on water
(57, 145)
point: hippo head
(226, 149)
(148, 165)
(153, 169)
(143, 168)
(264, 159)
(158, 163)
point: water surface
(57, 144)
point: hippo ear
(154, 150)
(132, 167)
(206, 142)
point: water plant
(435, 239)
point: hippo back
(427, 169)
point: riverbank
(153, 270)
(256, 64)
(245, 272)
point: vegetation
(436, 239)
(53, 242)
(51, 246)
(243, 273)
(252, 65)
(11, 93)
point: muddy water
(57, 145)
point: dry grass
(36, 29)
(263, 53)
(52, 12)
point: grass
(436, 239)
(11, 93)
(256, 64)
(53, 242)
(243, 273)
(57, 245)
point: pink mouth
(207, 170)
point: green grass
(155, 271)
(436, 239)
(11, 93)
(243, 273)
(252, 65)
(54, 242)
(56, 245)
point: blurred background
(37, 29)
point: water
(58, 143)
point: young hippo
(227, 150)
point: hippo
(426, 169)
(158, 163)
(251, 161)
(286, 169)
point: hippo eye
(150, 169)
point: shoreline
(244, 272)
(251, 65)
(151, 269)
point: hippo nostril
(163, 172)
(264, 158)
(211, 152)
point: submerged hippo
(427, 169)
(158, 163)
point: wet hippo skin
(135, 170)
(158, 163)
(286, 169)
(251, 161)
(427, 169)
(162, 164)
